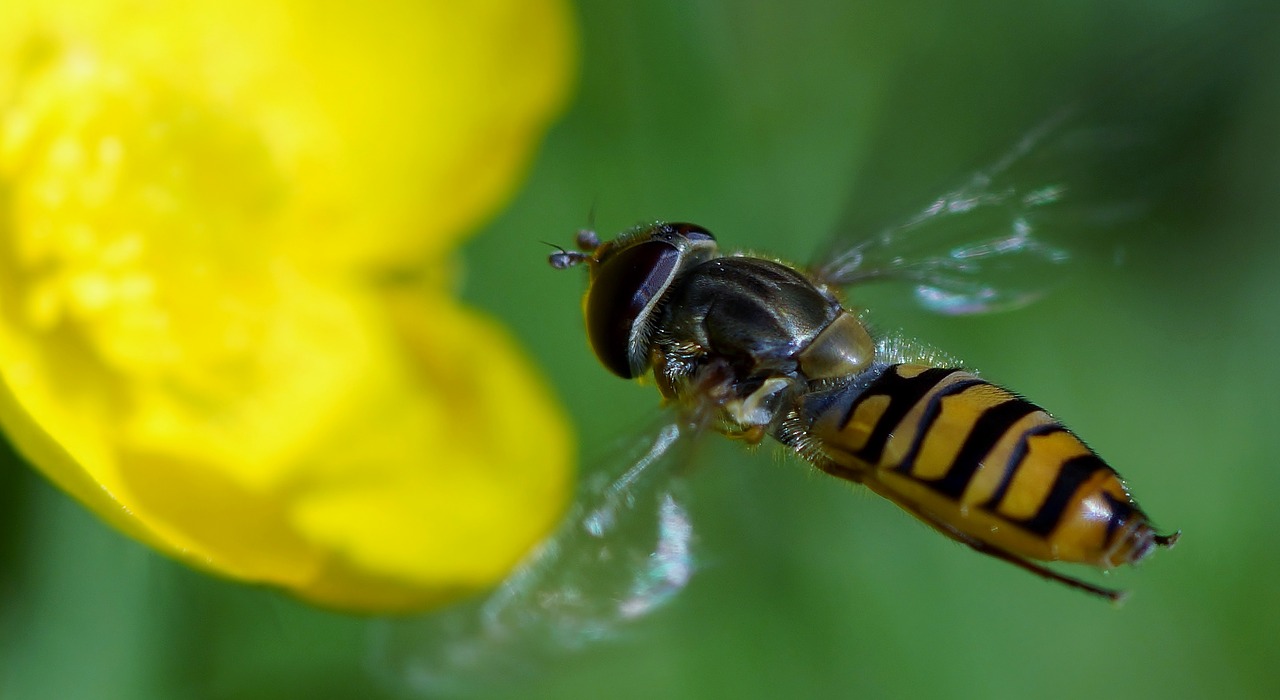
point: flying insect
(752, 347)
(756, 348)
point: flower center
(138, 222)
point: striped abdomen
(980, 464)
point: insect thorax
(741, 338)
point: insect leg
(1110, 594)
(1040, 570)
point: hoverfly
(753, 347)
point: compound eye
(619, 302)
(693, 232)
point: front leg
(708, 393)
(750, 416)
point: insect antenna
(562, 259)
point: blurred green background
(763, 122)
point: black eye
(621, 293)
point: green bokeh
(764, 122)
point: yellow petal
(481, 460)
(197, 197)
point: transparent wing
(624, 549)
(1073, 188)
(976, 248)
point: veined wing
(975, 248)
(624, 549)
(1073, 187)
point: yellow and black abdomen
(980, 464)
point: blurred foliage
(764, 122)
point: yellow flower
(225, 324)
